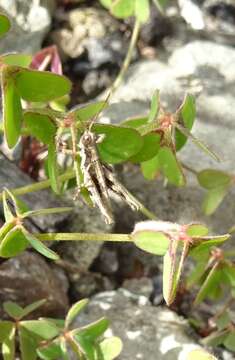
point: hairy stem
(83, 237)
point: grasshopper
(93, 173)
(99, 178)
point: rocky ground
(175, 54)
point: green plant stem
(149, 214)
(128, 57)
(83, 237)
(41, 185)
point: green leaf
(16, 59)
(8, 346)
(51, 351)
(170, 166)
(53, 169)
(5, 24)
(151, 146)
(206, 242)
(19, 206)
(6, 227)
(155, 106)
(93, 330)
(151, 241)
(41, 86)
(42, 328)
(40, 247)
(13, 243)
(47, 211)
(6, 209)
(106, 3)
(32, 307)
(216, 338)
(135, 122)
(119, 143)
(12, 309)
(229, 271)
(142, 10)
(223, 321)
(187, 114)
(150, 168)
(12, 110)
(196, 230)
(64, 351)
(83, 345)
(110, 348)
(212, 281)
(197, 273)
(123, 8)
(59, 323)
(74, 311)
(88, 112)
(41, 126)
(5, 330)
(28, 345)
(211, 179)
(229, 342)
(170, 275)
(213, 199)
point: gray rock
(30, 22)
(28, 278)
(142, 286)
(84, 285)
(12, 177)
(147, 332)
(107, 262)
(93, 31)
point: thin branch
(128, 58)
(84, 237)
(41, 185)
(186, 167)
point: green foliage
(14, 237)
(175, 242)
(186, 116)
(119, 143)
(224, 334)
(5, 24)
(49, 338)
(34, 104)
(86, 342)
(16, 59)
(217, 183)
